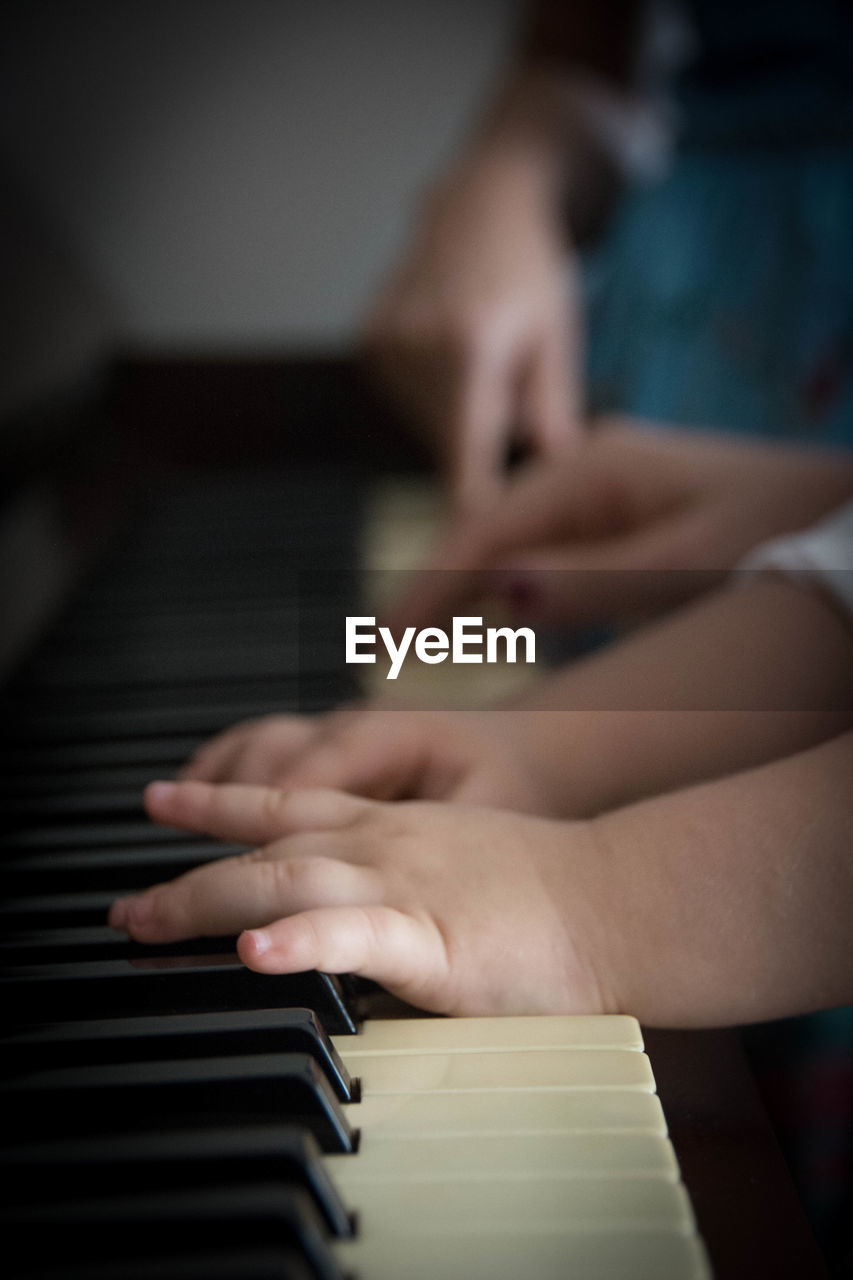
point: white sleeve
(823, 555)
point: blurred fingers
(375, 754)
(254, 751)
(249, 814)
(654, 568)
(227, 896)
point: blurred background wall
(197, 200)
(226, 175)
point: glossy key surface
(253, 1089)
(172, 1158)
(82, 1231)
(170, 1036)
(156, 984)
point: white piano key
(599, 1255)
(491, 1156)
(486, 1035)
(558, 1069)
(457, 1206)
(473, 1114)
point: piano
(166, 1112)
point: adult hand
(476, 337)
(634, 520)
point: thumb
(405, 955)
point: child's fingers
(227, 896)
(529, 511)
(246, 814)
(654, 567)
(401, 953)
(213, 761)
(250, 752)
(375, 754)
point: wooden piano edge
(747, 1209)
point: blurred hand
(634, 520)
(475, 758)
(476, 336)
(455, 909)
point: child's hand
(455, 909)
(633, 520)
(470, 757)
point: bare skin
(728, 902)
(629, 721)
(635, 520)
(477, 335)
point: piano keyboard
(168, 1113)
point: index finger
(246, 814)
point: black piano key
(156, 666)
(249, 1263)
(89, 835)
(166, 984)
(95, 942)
(73, 758)
(119, 1164)
(55, 910)
(75, 804)
(20, 790)
(271, 1088)
(170, 1036)
(275, 1215)
(114, 868)
(207, 716)
(234, 621)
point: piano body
(168, 1113)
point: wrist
(584, 131)
(500, 172)
(592, 945)
(569, 755)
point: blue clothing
(723, 295)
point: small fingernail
(159, 792)
(260, 940)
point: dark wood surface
(745, 1202)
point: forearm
(745, 675)
(554, 122)
(731, 902)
